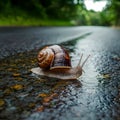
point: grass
(31, 21)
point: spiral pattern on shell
(45, 56)
(54, 57)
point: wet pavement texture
(94, 96)
(19, 39)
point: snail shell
(53, 57)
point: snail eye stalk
(80, 60)
(85, 61)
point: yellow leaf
(10, 69)
(49, 98)
(17, 87)
(2, 102)
(16, 74)
(42, 95)
(19, 78)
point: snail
(54, 61)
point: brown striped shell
(53, 57)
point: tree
(113, 12)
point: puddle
(95, 95)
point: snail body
(54, 61)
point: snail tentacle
(80, 60)
(85, 61)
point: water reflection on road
(97, 98)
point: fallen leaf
(7, 91)
(19, 78)
(42, 95)
(40, 109)
(53, 95)
(49, 98)
(46, 99)
(10, 69)
(2, 102)
(31, 105)
(17, 87)
(16, 74)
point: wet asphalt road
(14, 40)
(94, 96)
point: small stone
(106, 76)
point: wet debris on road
(26, 96)
(21, 92)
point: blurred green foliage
(29, 12)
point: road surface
(93, 96)
(14, 40)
